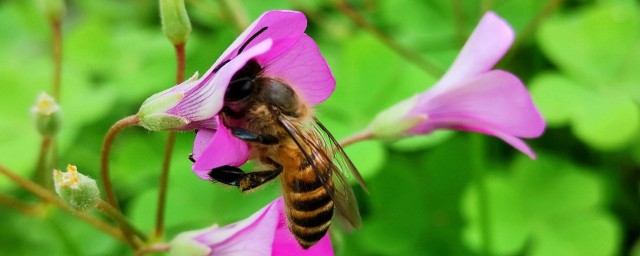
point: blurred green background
(579, 58)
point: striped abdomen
(309, 206)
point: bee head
(276, 93)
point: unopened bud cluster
(77, 190)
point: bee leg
(227, 174)
(253, 180)
(247, 135)
(234, 176)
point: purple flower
(263, 233)
(277, 42)
(471, 96)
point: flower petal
(222, 148)
(305, 70)
(252, 236)
(509, 139)
(205, 100)
(496, 103)
(284, 28)
(489, 41)
(284, 244)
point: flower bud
(54, 9)
(394, 122)
(77, 190)
(175, 21)
(186, 244)
(154, 114)
(47, 115)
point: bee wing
(340, 158)
(330, 152)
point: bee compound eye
(239, 89)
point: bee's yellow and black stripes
(310, 206)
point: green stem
(158, 231)
(530, 28)
(477, 166)
(486, 6)
(104, 168)
(361, 136)
(120, 218)
(43, 176)
(154, 248)
(236, 13)
(57, 57)
(458, 14)
(408, 54)
(22, 207)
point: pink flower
(263, 233)
(277, 42)
(471, 96)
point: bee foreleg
(247, 135)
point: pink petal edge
(487, 44)
(222, 149)
(305, 70)
(252, 236)
(495, 99)
(284, 29)
(509, 139)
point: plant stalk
(104, 168)
(479, 176)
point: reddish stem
(158, 232)
(104, 168)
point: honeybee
(284, 135)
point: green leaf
(593, 44)
(368, 156)
(596, 233)
(509, 226)
(557, 97)
(381, 79)
(549, 205)
(607, 122)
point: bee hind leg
(227, 174)
(234, 176)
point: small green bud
(175, 21)
(153, 112)
(393, 123)
(184, 244)
(162, 122)
(54, 9)
(47, 115)
(77, 190)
